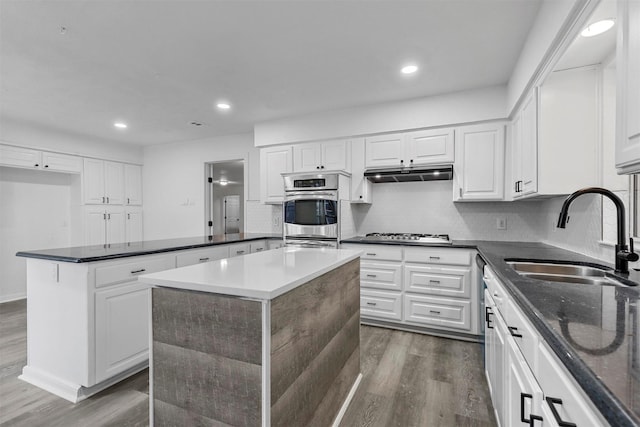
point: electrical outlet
(276, 221)
(501, 223)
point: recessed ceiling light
(597, 28)
(409, 69)
(223, 105)
(120, 125)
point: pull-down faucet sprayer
(623, 254)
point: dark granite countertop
(81, 254)
(593, 329)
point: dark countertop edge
(74, 260)
(453, 244)
(610, 407)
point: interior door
(231, 214)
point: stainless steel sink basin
(566, 273)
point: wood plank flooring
(409, 380)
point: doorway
(224, 207)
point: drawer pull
(371, 254)
(434, 281)
(434, 311)
(259, 249)
(434, 257)
(372, 275)
(532, 417)
(487, 317)
(239, 252)
(372, 303)
(552, 402)
(203, 259)
(139, 271)
(512, 330)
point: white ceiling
(159, 65)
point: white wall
(35, 213)
(32, 136)
(174, 184)
(443, 110)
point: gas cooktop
(409, 237)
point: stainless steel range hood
(412, 174)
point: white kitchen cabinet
(103, 182)
(524, 140)
(436, 280)
(257, 246)
(381, 274)
(274, 161)
(330, 155)
(628, 87)
(495, 355)
(275, 244)
(104, 226)
(380, 304)
(430, 146)
(523, 395)
(44, 160)
(361, 187)
(196, 256)
(132, 184)
(479, 165)
(121, 328)
(438, 312)
(133, 225)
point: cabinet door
(93, 181)
(516, 155)
(95, 231)
(133, 226)
(114, 182)
(480, 163)
(360, 186)
(133, 184)
(523, 394)
(334, 155)
(430, 146)
(382, 304)
(20, 157)
(628, 88)
(495, 354)
(529, 146)
(384, 150)
(439, 313)
(307, 157)
(274, 161)
(381, 275)
(115, 226)
(445, 281)
(122, 328)
(61, 162)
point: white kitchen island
(270, 338)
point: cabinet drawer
(446, 281)
(61, 162)
(438, 256)
(387, 305)
(557, 384)
(382, 275)
(527, 342)
(258, 246)
(127, 271)
(238, 249)
(202, 255)
(497, 290)
(379, 252)
(438, 312)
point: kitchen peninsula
(270, 338)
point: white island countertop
(262, 275)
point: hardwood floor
(408, 380)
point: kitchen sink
(565, 273)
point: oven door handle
(311, 195)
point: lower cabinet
(122, 328)
(528, 383)
(438, 312)
(386, 305)
(196, 256)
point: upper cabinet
(34, 159)
(103, 182)
(274, 161)
(554, 136)
(330, 155)
(432, 146)
(361, 187)
(628, 88)
(132, 184)
(479, 166)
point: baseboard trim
(421, 330)
(72, 392)
(347, 401)
(12, 297)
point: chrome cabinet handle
(371, 254)
(203, 259)
(239, 252)
(372, 275)
(552, 402)
(128, 201)
(103, 199)
(372, 303)
(434, 311)
(434, 257)
(108, 216)
(107, 199)
(139, 271)
(434, 281)
(259, 249)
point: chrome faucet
(623, 253)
